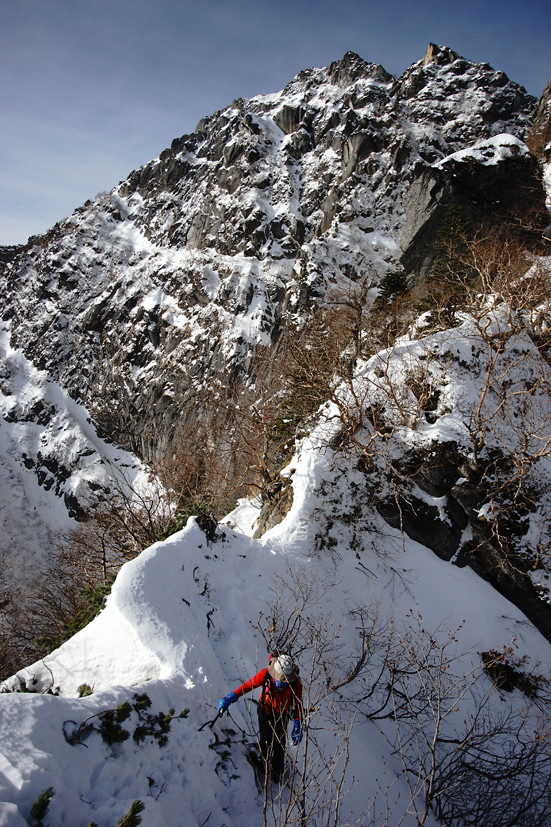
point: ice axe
(222, 707)
(210, 724)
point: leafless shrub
(39, 613)
(432, 703)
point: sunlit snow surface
(179, 625)
(489, 152)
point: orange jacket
(278, 701)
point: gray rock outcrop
(491, 552)
(489, 185)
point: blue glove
(225, 702)
(296, 737)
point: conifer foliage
(148, 725)
(39, 810)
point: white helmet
(283, 668)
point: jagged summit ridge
(440, 55)
(352, 67)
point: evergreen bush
(39, 810)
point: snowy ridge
(149, 639)
(53, 463)
(491, 152)
(182, 624)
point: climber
(280, 696)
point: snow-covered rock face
(171, 279)
(168, 283)
(53, 463)
(539, 139)
(489, 184)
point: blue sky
(92, 89)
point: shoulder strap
(265, 691)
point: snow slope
(180, 624)
(52, 462)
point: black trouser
(272, 733)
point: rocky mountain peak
(240, 230)
(352, 67)
(226, 245)
(440, 55)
